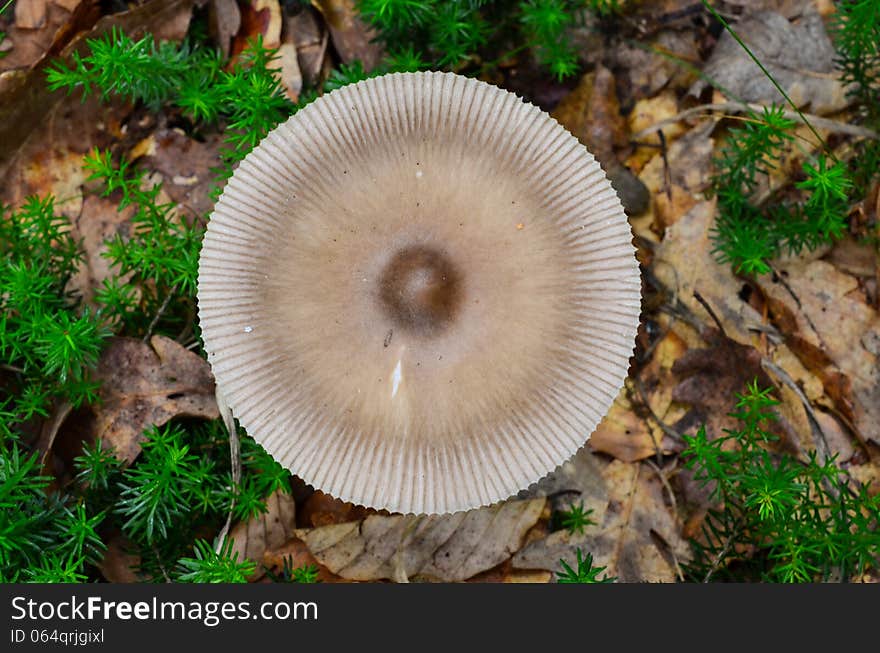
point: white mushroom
(419, 293)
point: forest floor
(809, 329)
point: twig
(235, 461)
(711, 312)
(161, 565)
(836, 126)
(723, 553)
(159, 313)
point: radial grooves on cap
(297, 167)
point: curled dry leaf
(635, 535)
(224, 19)
(143, 385)
(258, 18)
(451, 547)
(305, 31)
(352, 38)
(269, 530)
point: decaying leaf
(799, 55)
(148, 384)
(294, 554)
(269, 530)
(438, 547)
(185, 164)
(684, 263)
(320, 509)
(310, 38)
(635, 536)
(638, 424)
(592, 113)
(624, 434)
(828, 323)
(224, 19)
(352, 38)
(258, 18)
(709, 380)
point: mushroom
(419, 293)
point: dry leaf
(119, 564)
(352, 38)
(99, 221)
(710, 380)
(684, 263)
(320, 509)
(649, 112)
(294, 554)
(438, 547)
(592, 113)
(827, 322)
(145, 385)
(800, 56)
(269, 530)
(258, 18)
(185, 165)
(224, 20)
(311, 43)
(623, 434)
(636, 537)
(30, 14)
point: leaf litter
(811, 329)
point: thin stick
(159, 313)
(836, 126)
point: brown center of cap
(420, 290)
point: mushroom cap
(419, 293)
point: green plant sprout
(748, 234)
(575, 519)
(776, 518)
(585, 573)
(210, 566)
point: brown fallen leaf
(27, 100)
(145, 385)
(709, 380)
(294, 554)
(646, 113)
(30, 14)
(224, 20)
(311, 40)
(623, 434)
(353, 39)
(320, 509)
(650, 69)
(592, 113)
(269, 530)
(827, 322)
(258, 18)
(636, 537)
(119, 564)
(99, 221)
(637, 426)
(684, 263)
(185, 165)
(438, 547)
(799, 55)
